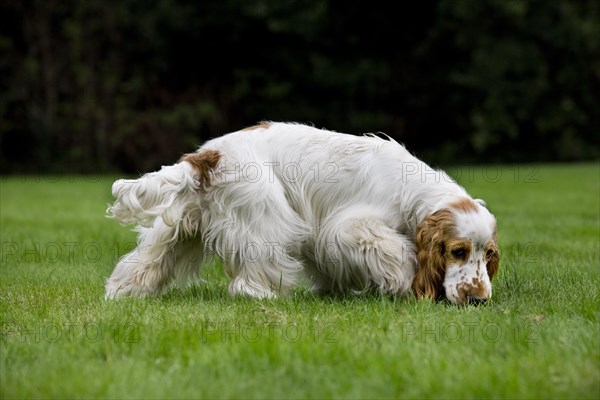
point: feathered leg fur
(166, 206)
(160, 258)
(251, 226)
(364, 253)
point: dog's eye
(459, 253)
(489, 254)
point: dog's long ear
(428, 282)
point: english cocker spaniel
(281, 201)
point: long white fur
(286, 200)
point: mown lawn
(539, 337)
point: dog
(283, 203)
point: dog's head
(457, 254)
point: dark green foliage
(88, 85)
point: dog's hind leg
(162, 255)
(166, 205)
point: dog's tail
(171, 193)
(165, 193)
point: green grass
(539, 337)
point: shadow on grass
(217, 293)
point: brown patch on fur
(465, 205)
(493, 262)
(477, 288)
(260, 125)
(204, 162)
(431, 237)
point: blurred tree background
(105, 85)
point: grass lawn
(539, 337)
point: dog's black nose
(477, 301)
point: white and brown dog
(279, 201)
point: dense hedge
(131, 84)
